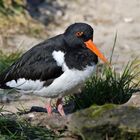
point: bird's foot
(61, 110)
(49, 109)
(60, 107)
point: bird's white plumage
(26, 85)
(59, 57)
(69, 82)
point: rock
(55, 123)
(134, 100)
(45, 11)
(106, 122)
(34, 3)
(94, 123)
(7, 97)
(128, 19)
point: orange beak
(90, 45)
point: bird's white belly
(67, 83)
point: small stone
(5, 99)
(128, 19)
(31, 115)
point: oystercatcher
(56, 67)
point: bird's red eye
(78, 34)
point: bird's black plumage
(38, 63)
(80, 58)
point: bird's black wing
(35, 64)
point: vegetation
(15, 19)
(7, 59)
(108, 86)
(11, 7)
(11, 129)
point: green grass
(7, 59)
(11, 7)
(108, 86)
(12, 129)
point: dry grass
(14, 19)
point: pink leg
(60, 107)
(48, 107)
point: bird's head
(81, 35)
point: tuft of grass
(14, 129)
(11, 7)
(7, 59)
(109, 87)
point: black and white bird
(56, 67)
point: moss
(107, 122)
(99, 110)
(108, 132)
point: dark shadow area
(45, 11)
(68, 108)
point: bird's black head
(76, 34)
(80, 35)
